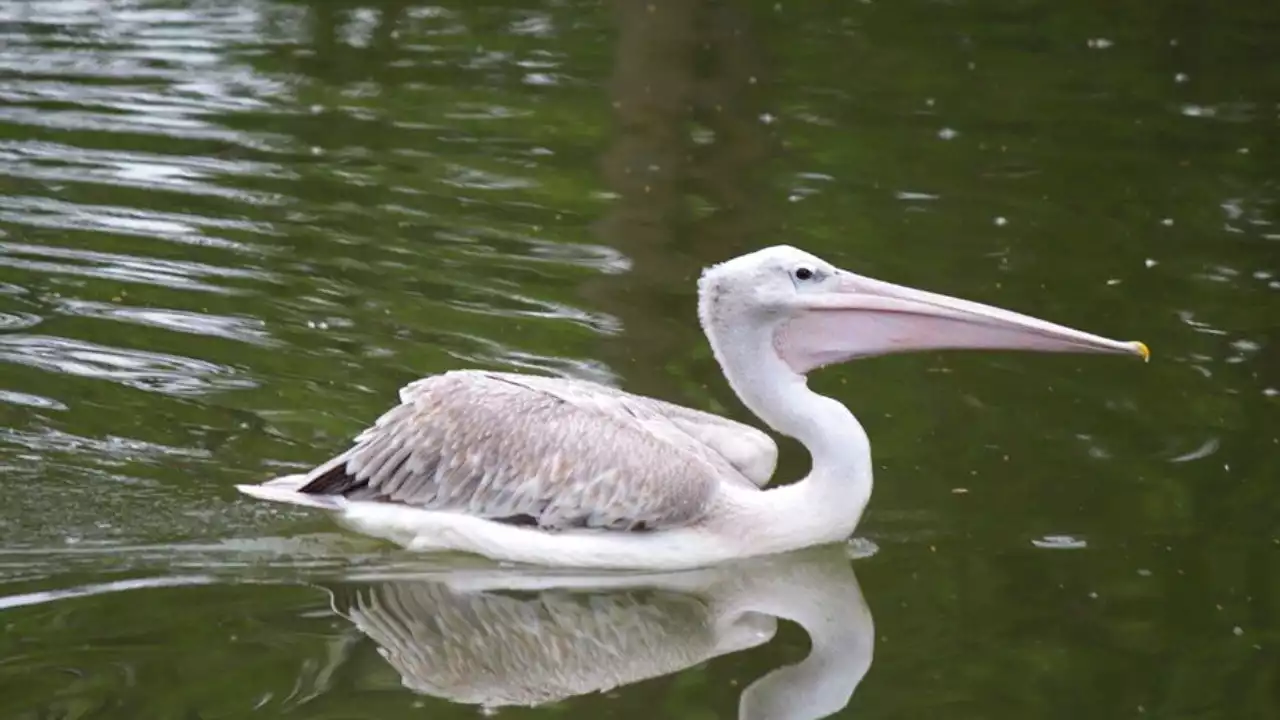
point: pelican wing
(750, 452)
(517, 448)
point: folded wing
(543, 451)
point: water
(230, 230)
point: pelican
(562, 472)
(502, 638)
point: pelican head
(818, 314)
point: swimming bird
(565, 472)
(508, 637)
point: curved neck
(827, 504)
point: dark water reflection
(231, 229)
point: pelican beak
(862, 317)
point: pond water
(230, 230)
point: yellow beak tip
(1143, 350)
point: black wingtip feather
(334, 481)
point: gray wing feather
(533, 449)
(747, 450)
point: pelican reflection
(498, 638)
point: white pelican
(508, 638)
(550, 471)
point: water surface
(230, 230)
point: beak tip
(1141, 348)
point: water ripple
(49, 440)
(1204, 450)
(249, 330)
(513, 304)
(490, 352)
(28, 400)
(18, 321)
(150, 371)
(181, 274)
(51, 162)
(174, 227)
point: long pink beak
(865, 317)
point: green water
(230, 230)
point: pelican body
(549, 471)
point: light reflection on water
(158, 234)
(168, 374)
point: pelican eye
(803, 273)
